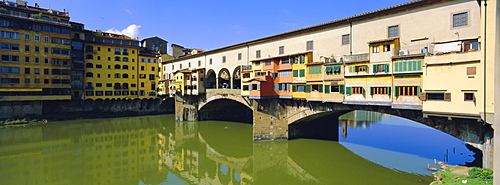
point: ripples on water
(159, 150)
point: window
(330, 70)
(460, 19)
(27, 81)
(257, 54)
(239, 56)
(37, 49)
(37, 71)
(410, 65)
(334, 88)
(26, 48)
(380, 68)
(380, 90)
(437, 96)
(27, 59)
(37, 60)
(223, 59)
(471, 70)
(27, 71)
(357, 90)
(268, 63)
(37, 38)
(284, 73)
(10, 70)
(387, 47)
(315, 70)
(393, 31)
(281, 50)
(46, 50)
(45, 38)
(199, 63)
(26, 36)
(469, 97)
(285, 61)
(407, 90)
(375, 49)
(151, 77)
(117, 51)
(260, 73)
(309, 45)
(356, 69)
(209, 62)
(117, 58)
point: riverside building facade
(421, 55)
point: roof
(345, 21)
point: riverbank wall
(71, 109)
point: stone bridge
(283, 119)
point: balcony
(246, 67)
(421, 49)
(357, 58)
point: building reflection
(359, 119)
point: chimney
(36, 5)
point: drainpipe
(484, 58)
(350, 36)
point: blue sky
(208, 24)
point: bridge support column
(269, 121)
(186, 108)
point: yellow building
(148, 75)
(111, 66)
(314, 82)
(299, 74)
(35, 53)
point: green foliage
(481, 173)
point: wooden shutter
(396, 91)
(348, 90)
(258, 87)
(302, 73)
(447, 96)
(386, 68)
(295, 73)
(375, 68)
(327, 89)
(320, 86)
(418, 91)
(371, 91)
(388, 91)
(341, 89)
(250, 87)
(423, 96)
(307, 88)
(294, 88)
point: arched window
(124, 67)
(125, 86)
(125, 59)
(89, 65)
(117, 58)
(125, 75)
(117, 66)
(117, 75)
(89, 57)
(89, 74)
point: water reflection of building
(359, 118)
(106, 152)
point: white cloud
(128, 11)
(132, 31)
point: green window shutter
(341, 89)
(336, 69)
(363, 91)
(375, 68)
(328, 69)
(320, 88)
(386, 68)
(294, 88)
(348, 90)
(419, 65)
(307, 88)
(367, 68)
(396, 66)
(295, 73)
(356, 69)
(301, 59)
(396, 93)
(371, 91)
(302, 73)
(404, 66)
(327, 89)
(388, 91)
(418, 91)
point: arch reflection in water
(158, 150)
(399, 143)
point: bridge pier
(269, 121)
(186, 108)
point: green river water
(160, 150)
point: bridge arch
(237, 78)
(211, 79)
(225, 108)
(224, 79)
